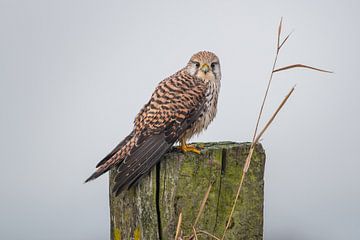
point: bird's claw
(189, 148)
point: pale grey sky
(73, 74)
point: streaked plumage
(182, 105)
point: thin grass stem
(178, 227)
(202, 206)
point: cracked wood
(151, 209)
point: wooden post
(178, 184)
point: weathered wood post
(178, 184)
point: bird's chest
(209, 111)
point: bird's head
(204, 65)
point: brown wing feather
(174, 106)
(143, 157)
(116, 149)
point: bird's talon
(189, 148)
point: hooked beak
(205, 68)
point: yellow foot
(188, 148)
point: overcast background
(73, 74)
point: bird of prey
(181, 106)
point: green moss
(137, 234)
(184, 179)
(117, 235)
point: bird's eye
(197, 64)
(213, 65)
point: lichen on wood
(150, 210)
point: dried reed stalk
(209, 234)
(256, 136)
(300, 66)
(178, 226)
(248, 158)
(202, 206)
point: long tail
(133, 158)
(109, 161)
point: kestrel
(181, 106)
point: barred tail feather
(107, 162)
(96, 174)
